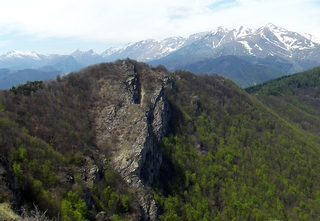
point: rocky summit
(131, 115)
(126, 113)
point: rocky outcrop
(132, 113)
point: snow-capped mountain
(303, 52)
(268, 40)
(18, 60)
(23, 59)
(31, 55)
(148, 50)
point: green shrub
(18, 171)
(125, 203)
(74, 209)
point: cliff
(131, 114)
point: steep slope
(229, 157)
(132, 114)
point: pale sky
(63, 26)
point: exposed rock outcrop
(132, 113)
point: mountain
(242, 72)
(65, 64)
(269, 40)
(17, 60)
(86, 58)
(124, 141)
(4, 72)
(150, 49)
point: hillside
(288, 84)
(125, 141)
(295, 98)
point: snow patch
(312, 38)
(247, 46)
(257, 46)
(242, 32)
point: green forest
(229, 153)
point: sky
(63, 26)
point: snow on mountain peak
(312, 38)
(220, 29)
(242, 32)
(79, 53)
(110, 51)
(13, 54)
(283, 38)
(270, 25)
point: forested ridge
(288, 84)
(235, 158)
(227, 155)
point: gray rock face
(132, 113)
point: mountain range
(268, 40)
(267, 48)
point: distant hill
(14, 78)
(242, 72)
(288, 84)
